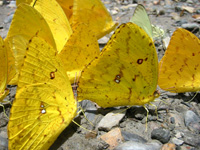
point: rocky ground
(177, 123)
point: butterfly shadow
(66, 134)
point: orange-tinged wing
(179, 69)
(67, 6)
(44, 104)
(94, 14)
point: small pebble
(190, 26)
(191, 117)
(177, 141)
(3, 143)
(111, 119)
(168, 146)
(131, 145)
(166, 42)
(113, 138)
(192, 139)
(172, 120)
(133, 137)
(163, 135)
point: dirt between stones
(166, 14)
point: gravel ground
(178, 123)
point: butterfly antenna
(4, 111)
(83, 127)
(146, 117)
(160, 100)
(156, 109)
(83, 111)
(123, 110)
(193, 97)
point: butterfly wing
(141, 18)
(22, 29)
(125, 73)
(4, 70)
(23, 1)
(67, 7)
(95, 15)
(179, 67)
(80, 49)
(44, 104)
(56, 19)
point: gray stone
(133, 137)
(192, 139)
(190, 26)
(8, 19)
(111, 119)
(172, 120)
(191, 117)
(4, 121)
(3, 143)
(163, 135)
(132, 145)
(194, 127)
(179, 135)
(89, 110)
(12, 4)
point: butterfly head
(156, 94)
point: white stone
(166, 42)
(111, 119)
(177, 141)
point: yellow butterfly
(56, 19)
(141, 18)
(44, 104)
(179, 69)
(25, 24)
(94, 14)
(79, 50)
(125, 73)
(4, 71)
(91, 12)
(67, 5)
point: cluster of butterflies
(51, 41)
